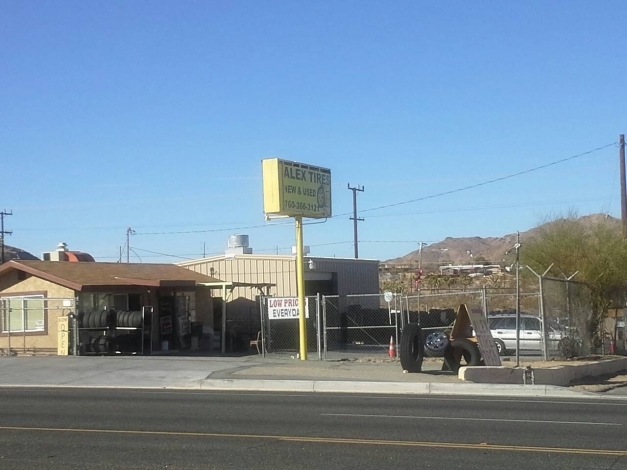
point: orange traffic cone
(392, 352)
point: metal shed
(277, 276)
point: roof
(215, 258)
(87, 276)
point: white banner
(282, 308)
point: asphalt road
(141, 429)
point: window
(100, 301)
(531, 324)
(502, 323)
(23, 314)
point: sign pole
(300, 279)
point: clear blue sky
(155, 115)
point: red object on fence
(392, 352)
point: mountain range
(463, 250)
(478, 250)
(10, 252)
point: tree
(595, 250)
(451, 282)
(434, 282)
(465, 281)
(397, 286)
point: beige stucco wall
(37, 343)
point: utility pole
(129, 232)
(3, 233)
(354, 218)
(623, 190)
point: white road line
(593, 401)
(587, 423)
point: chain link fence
(280, 333)
(361, 325)
(568, 319)
(555, 321)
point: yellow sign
(63, 346)
(294, 189)
(63, 323)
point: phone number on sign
(303, 206)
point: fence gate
(360, 325)
(280, 325)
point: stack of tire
(129, 319)
(412, 351)
(97, 319)
(100, 344)
(461, 349)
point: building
(470, 269)
(154, 305)
(249, 275)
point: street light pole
(517, 246)
(421, 244)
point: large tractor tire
(459, 349)
(411, 349)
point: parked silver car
(503, 329)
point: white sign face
(388, 296)
(284, 308)
(484, 338)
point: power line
(337, 216)
(484, 183)
(230, 229)
(509, 206)
(162, 254)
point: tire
(93, 344)
(136, 319)
(500, 346)
(459, 349)
(103, 319)
(100, 344)
(411, 349)
(434, 343)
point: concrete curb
(354, 387)
(399, 388)
(558, 375)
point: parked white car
(503, 329)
